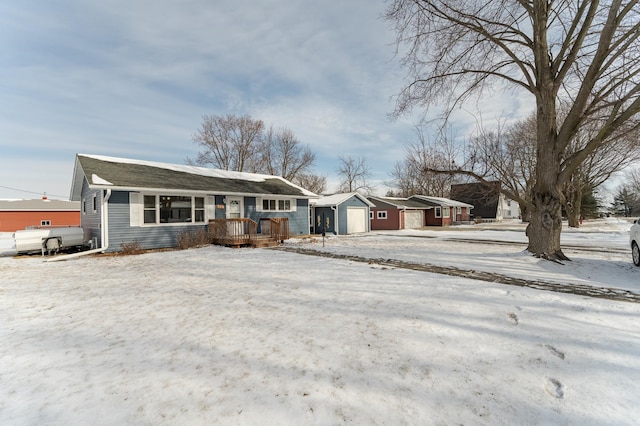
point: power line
(32, 192)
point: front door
(234, 207)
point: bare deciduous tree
(418, 173)
(584, 54)
(229, 142)
(240, 144)
(282, 154)
(354, 174)
(314, 183)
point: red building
(417, 211)
(23, 214)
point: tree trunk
(545, 227)
(525, 213)
(574, 208)
(545, 222)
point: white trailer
(49, 240)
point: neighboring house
(445, 211)
(417, 211)
(150, 203)
(489, 203)
(341, 214)
(22, 214)
(392, 213)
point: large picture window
(173, 209)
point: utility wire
(32, 192)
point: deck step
(265, 242)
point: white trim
(382, 215)
(195, 191)
(136, 209)
(228, 200)
(209, 208)
(276, 198)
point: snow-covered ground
(260, 336)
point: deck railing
(276, 227)
(233, 232)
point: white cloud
(134, 78)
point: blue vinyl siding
(149, 237)
(220, 213)
(298, 220)
(90, 221)
(161, 236)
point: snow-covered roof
(39, 205)
(441, 201)
(335, 199)
(130, 174)
(399, 203)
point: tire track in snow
(578, 289)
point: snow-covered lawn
(224, 336)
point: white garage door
(413, 219)
(356, 220)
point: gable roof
(399, 203)
(336, 199)
(136, 175)
(440, 201)
(485, 196)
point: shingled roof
(137, 175)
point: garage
(356, 220)
(341, 213)
(413, 219)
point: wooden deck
(243, 232)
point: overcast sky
(133, 79)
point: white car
(634, 240)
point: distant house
(417, 211)
(341, 214)
(125, 200)
(393, 213)
(22, 214)
(489, 203)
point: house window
(382, 214)
(84, 206)
(438, 211)
(276, 205)
(45, 223)
(459, 210)
(149, 209)
(198, 209)
(173, 209)
(268, 205)
(94, 203)
(446, 212)
(370, 215)
(284, 204)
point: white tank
(48, 239)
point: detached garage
(341, 214)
